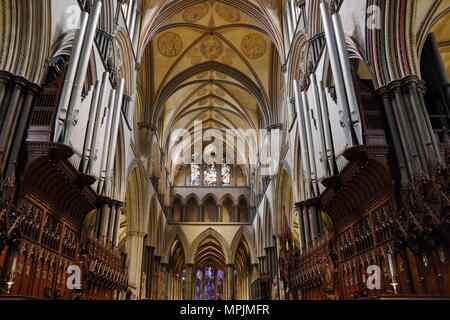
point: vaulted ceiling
(209, 61)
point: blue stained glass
(199, 285)
(195, 174)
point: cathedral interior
(224, 149)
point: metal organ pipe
(70, 76)
(82, 68)
(323, 143)
(337, 72)
(348, 78)
(90, 126)
(303, 138)
(111, 103)
(327, 127)
(311, 152)
(92, 139)
(114, 132)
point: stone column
(21, 127)
(313, 224)
(301, 227)
(12, 114)
(189, 285)
(135, 244)
(230, 281)
(117, 225)
(111, 222)
(104, 222)
(235, 213)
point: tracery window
(210, 174)
(226, 174)
(209, 156)
(195, 170)
(209, 284)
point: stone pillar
(117, 225)
(111, 222)
(104, 222)
(301, 227)
(135, 244)
(313, 224)
(183, 215)
(235, 213)
(21, 127)
(8, 127)
(230, 281)
(189, 278)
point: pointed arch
(209, 233)
(244, 234)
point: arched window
(226, 175)
(209, 156)
(209, 283)
(195, 172)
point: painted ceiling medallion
(211, 47)
(228, 13)
(254, 46)
(196, 12)
(170, 44)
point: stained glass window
(183, 284)
(209, 284)
(226, 175)
(220, 285)
(210, 174)
(195, 174)
(199, 285)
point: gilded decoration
(170, 44)
(228, 13)
(195, 12)
(254, 46)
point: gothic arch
(25, 30)
(244, 234)
(123, 59)
(162, 13)
(210, 232)
(175, 233)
